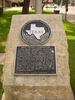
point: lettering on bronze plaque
(35, 60)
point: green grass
(48, 12)
(1, 89)
(70, 33)
(2, 47)
(5, 22)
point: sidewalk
(70, 13)
(71, 18)
(71, 10)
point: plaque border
(34, 21)
(34, 74)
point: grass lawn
(1, 89)
(5, 22)
(70, 32)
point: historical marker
(35, 32)
(35, 60)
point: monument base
(71, 96)
(37, 87)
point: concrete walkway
(70, 13)
(71, 10)
(71, 18)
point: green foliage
(65, 1)
(57, 1)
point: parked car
(51, 7)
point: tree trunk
(25, 9)
(9, 3)
(66, 9)
(3, 3)
(38, 6)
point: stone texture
(37, 87)
(2, 58)
(3, 97)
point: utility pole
(38, 6)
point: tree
(66, 8)
(1, 7)
(57, 1)
(25, 9)
(38, 6)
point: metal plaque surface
(35, 60)
(35, 32)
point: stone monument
(36, 65)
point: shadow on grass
(71, 44)
(70, 28)
(2, 48)
(1, 89)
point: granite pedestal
(37, 87)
